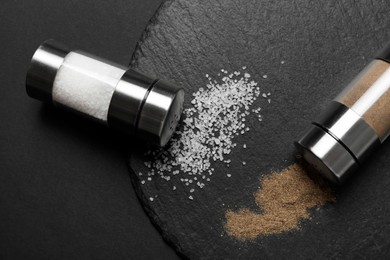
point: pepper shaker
(354, 124)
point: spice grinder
(106, 92)
(354, 124)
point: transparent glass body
(368, 95)
(86, 83)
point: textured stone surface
(324, 45)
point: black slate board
(324, 45)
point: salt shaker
(106, 92)
(354, 124)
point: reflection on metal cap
(337, 142)
(45, 63)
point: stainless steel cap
(160, 113)
(329, 157)
(149, 109)
(45, 63)
(337, 142)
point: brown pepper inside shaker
(353, 125)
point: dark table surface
(65, 192)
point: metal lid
(43, 69)
(160, 113)
(337, 142)
(326, 155)
(147, 108)
(127, 101)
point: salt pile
(207, 131)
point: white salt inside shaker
(81, 77)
